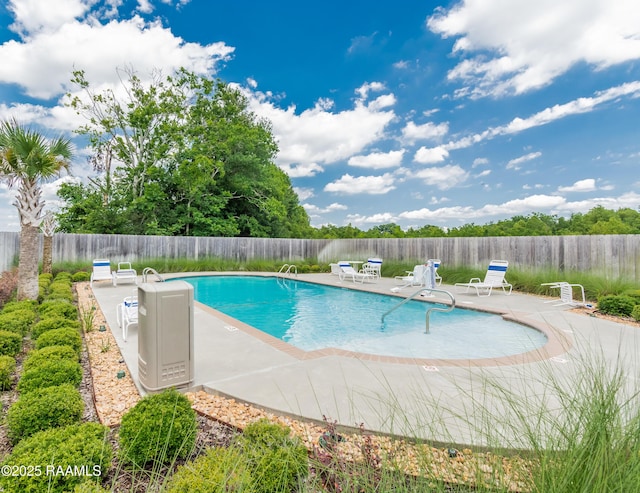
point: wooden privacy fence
(613, 256)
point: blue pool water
(312, 316)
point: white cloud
(317, 135)
(535, 42)
(350, 185)
(426, 155)
(364, 89)
(444, 177)
(304, 193)
(43, 62)
(379, 218)
(31, 16)
(586, 185)
(479, 161)
(301, 170)
(377, 160)
(427, 131)
(515, 163)
(314, 209)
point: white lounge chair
(127, 314)
(494, 278)
(101, 271)
(335, 269)
(125, 273)
(373, 266)
(347, 271)
(566, 293)
(413, 278)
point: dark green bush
(60, 337)
(635, 313)
(277, 460)
(219, 470)
(50, 323)
(12, 306)
(10, 343)
(82, 446)
(80, 276)
(621, 305)
(635, 294)
(18, 321)
(42, 409)
(50, 353)
(58, 308)
(159, 428)
(50, 374)
(7, 368)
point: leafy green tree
(26, 160)
(180, 156)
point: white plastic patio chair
(413, 277)
(494, 278)
(566, 293)
(101, 271)
(373, 266)
(127, 314)
(125, 273)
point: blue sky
(415, 112)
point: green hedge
(159, 428)
(61, 337)
(18, 321)
(58, 308)
(55, 453)
(50, 374)
(621, 305)
(7, 369)
(12, 306)
(42, 409)
(50, 353)
(10, 343)
(51, 323)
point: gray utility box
(165, 334)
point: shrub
(50, 353)
(7, 367)
(635, 313)
(10, 343)
(82, 446)
(89, 486)
(60, 292)
(58, 308)
(621, 305)
(45, 277)
(219, 470)
(80, 276)
(50, 374)
(51, 323)
(60, 337)
(12, 306)
(18, 321)
(63, 276)
(159, 428)
(277, 460)
(42, 409)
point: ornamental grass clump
(159, 429)
(44, 408)
(218, 470)
(58, 459)
(277, 460)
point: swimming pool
(313, 316)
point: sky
(411, 112)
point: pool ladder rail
(448, 308)
(150, 270)
(288, 269)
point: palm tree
(26, 160)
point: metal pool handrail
(288, 269)
(433, 308)
(151, 270)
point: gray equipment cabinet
(165, 334)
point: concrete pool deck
(445, 401)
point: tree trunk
(28, 263)
(47, 254)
